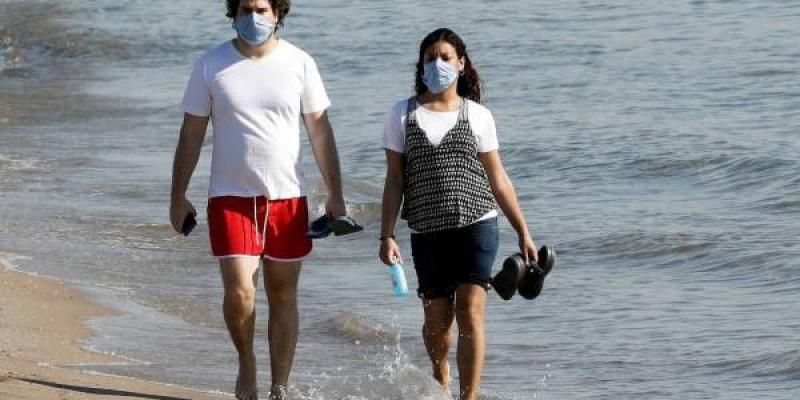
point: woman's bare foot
(442, 375)
(277, 392)
(446, 390)
(246, 382)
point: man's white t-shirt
(255, 108)
(436, 124)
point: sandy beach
(41, 330)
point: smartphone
(188, 224)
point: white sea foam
(8, 260)
(15, 163)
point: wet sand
(41, 329)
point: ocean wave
(397, 380)
(769, 72)
(780, 205)
(784, 365)
(359, 328)
(30, 38)
(16, 163)
(747, 166)
(43, 61)
(716, 168)
(8, 260)
(668, 167)
(722, 172)
(749, 261)
(8, 57)
(638, 245)
(362, 201)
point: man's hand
(179, 208)
(334, 206)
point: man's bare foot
(246, 388)
(277, 392)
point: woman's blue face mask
(438, 75)
(253, 28)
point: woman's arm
(506, 198)
(392, 198)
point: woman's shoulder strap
(462, 112)
(411, 106)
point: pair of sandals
(527, 279)
(323, 226)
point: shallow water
(654, 145)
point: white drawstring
(255, 219)
(264, 233)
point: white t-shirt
(255, 108)
(436, 125)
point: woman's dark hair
(279, 7)
(469, 84)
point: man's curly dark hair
(279, 7)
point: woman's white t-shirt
(436, 124)
(255, 108)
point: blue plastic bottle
(398, 280)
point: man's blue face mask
(439, 75)
(253, 28)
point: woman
(444, 167)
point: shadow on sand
(98, 391)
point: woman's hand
(528, 249)
(390, 252)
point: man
(254, 89)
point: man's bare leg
(470, 311)
(239, 308)
(439, 314)
(280, 282)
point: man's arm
(190, 143)
(320, 134)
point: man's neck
(256, 52)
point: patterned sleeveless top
(446, 186)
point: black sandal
(344, 225)
(506, 282)
(323, 226)
(532, 283)
(319, 228)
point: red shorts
(236, 227)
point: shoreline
(41, 331)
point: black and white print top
(446, 186)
